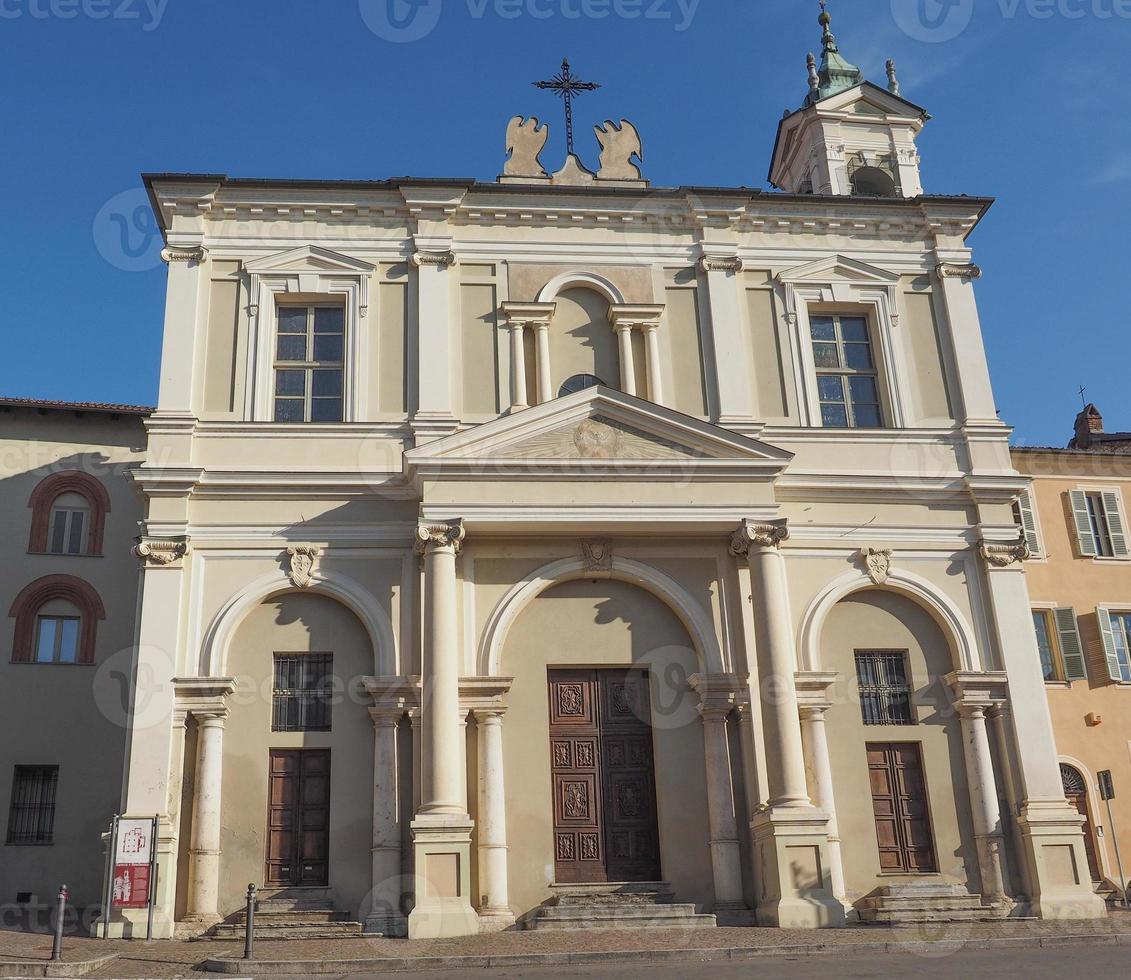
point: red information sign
(131, 886)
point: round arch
(355, 597)
(583, 280)
(947, 615)
(697, 623)
(1092, 795)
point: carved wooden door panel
(603, 777)
(298, 818)
(901, 808)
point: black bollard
(60, 918)
(249, 925)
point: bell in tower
(850, 137)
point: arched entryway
(1076, 792)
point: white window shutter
(1085, 537)
(1107, 631)
(1029, 522)
(1071, 649)
(1115, 524)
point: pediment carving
(598, 437)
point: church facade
(561, 535)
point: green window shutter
(1071, 649)
(1115, 524)
(1107, 631)
(1029, 522)
(1084, 535)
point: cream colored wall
(882, 620)
(72, 716)
(582, 340)
(602, 624)
(919, 330)
(1063, 579)
(297, 623)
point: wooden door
(298, 818)
(604, 786)
(1076, 790)
(901, 808)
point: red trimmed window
(68, 515)
(56, 621)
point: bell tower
(850, 137)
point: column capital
(755, 536)
(447, 534)
(184, 253)
(161, 552)
(982, 691)
(721, 263)
(210, 717)
(519, 315)
(625, 316)
(386, 716)
(998, 554)
(966, 271)
(489, 716)
(434, 258)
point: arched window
(56, 621)
(68, 515)
(873, 182)
(581, 382)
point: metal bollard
(60, 917)
(249, 925)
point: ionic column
(204, 841)
(492, 821)
(815, 736)
(518, 367)
(785, 756)
(983, 800)
(627, 360)
(441, 791)
(384, 915)
(655, 370)
(726, 857)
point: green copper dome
(835, 75)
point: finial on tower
(893, 79)
(828, 39)
(835, 75)
(814, 78)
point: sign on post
(133, 856)
(1107, 785)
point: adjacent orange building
(1076, 523)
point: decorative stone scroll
(752, 536)
(449, 534)
(1003, 555)
(721, 263)
(160, 552)
(877, 563)
(301, 560)
(441, 260)
(958, 270)
(173, 253)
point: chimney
(1088, 423)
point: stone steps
(633, 905)
(281, 931)
(920, 902)
(291, 914)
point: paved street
(1009, 964)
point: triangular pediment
(839, 268)
(869, 99)
(307, 259)
(596, 428)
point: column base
(387, 924)
(1053, 838)
(496, 920)
(442, 852)
(795, 884)
(430, 426)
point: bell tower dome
(850, 137)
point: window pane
(329, 319)
(826, 355)
(834, 416)
(291, 347)
(327, 384)
(864, 391)
(289, 410)
(328, 348)
(74, 541)
(1122, 633)
(858, 357)
(58, 532)
(854, 329)
(326, 410)
(867, 417)
(831, 388)
(823, 328)
(1044, 644)
(68, 640)
(45, 640)
(292, 319)
(290, 383)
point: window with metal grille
(31, 819)
(885, 693)
(303, 691)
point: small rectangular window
(885, 692)
(1046, 644)
(1097, 519)
(304, 687)
(56, 639)
(31, 818)
(1115, 630)
(847, 379)
(67, 525)
(310, 364)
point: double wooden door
(605, 826)
(901, 808)
(298, 818)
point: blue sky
(1024, 95)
